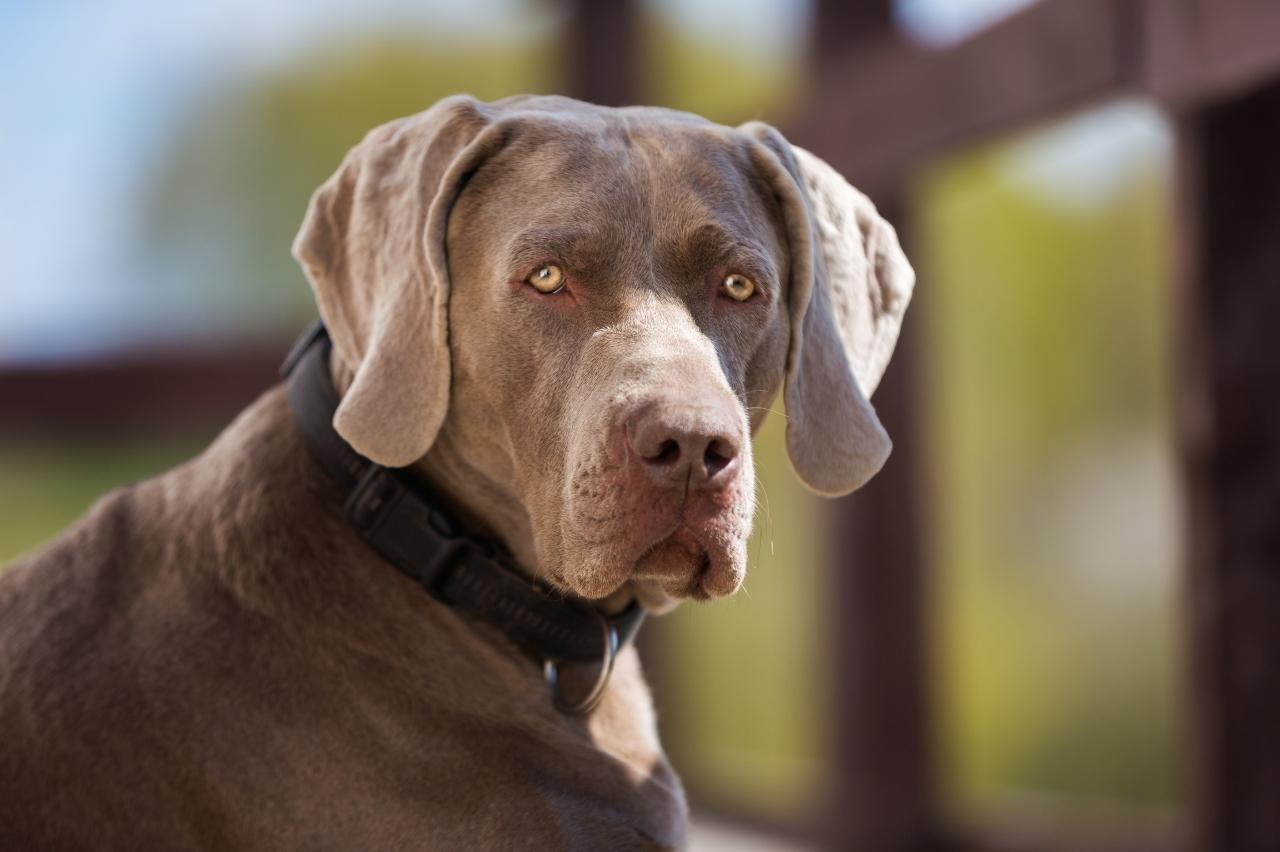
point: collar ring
(551, 670)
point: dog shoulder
(60, 595)
(67, 703)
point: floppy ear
(373, 247)
(850, 285)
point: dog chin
(679, 566)
(682, 566)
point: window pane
(1043, 289)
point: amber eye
(546, 279)
(738, 287)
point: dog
(563, 321)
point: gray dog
(564, 321)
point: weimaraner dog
(353, 622)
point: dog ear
(373, 247)
(850, 285)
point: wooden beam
(885, 107)
(603, 51)
(1229, 420)
(1051, 824)
(839, 24)
(150, 393)
(1201, 49)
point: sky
(942, 22)
(93, 90)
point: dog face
(584, 313)
(620, 397)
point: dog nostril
(717, 457)
(668, 453)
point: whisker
(768, 514)
(781, 414)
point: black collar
(396, 515)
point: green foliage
(47, 485)
(723, 80)
(228, 199)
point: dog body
(213, 659)
(569, 320)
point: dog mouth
(694, 549)
(685, 567)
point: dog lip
(664, 538)
(711, 585)
(706, 575)
(698, 588)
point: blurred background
(986, 648)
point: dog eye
(547, 278)
(738, 287)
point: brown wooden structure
(880, 108)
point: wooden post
(883, 785)
(1230, 444)
(837, 27)
(604, 51)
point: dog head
(582, 314)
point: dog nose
(676, 445)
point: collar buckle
(384, 514)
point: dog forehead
(562, 112)
(650, 168)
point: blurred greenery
(1054, 508)
(226, 203)
(48, 483)
(725, 80)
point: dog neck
(483, 507)
(404, 520)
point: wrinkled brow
(578, 248)
(710, 246)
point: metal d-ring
(551, 671)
